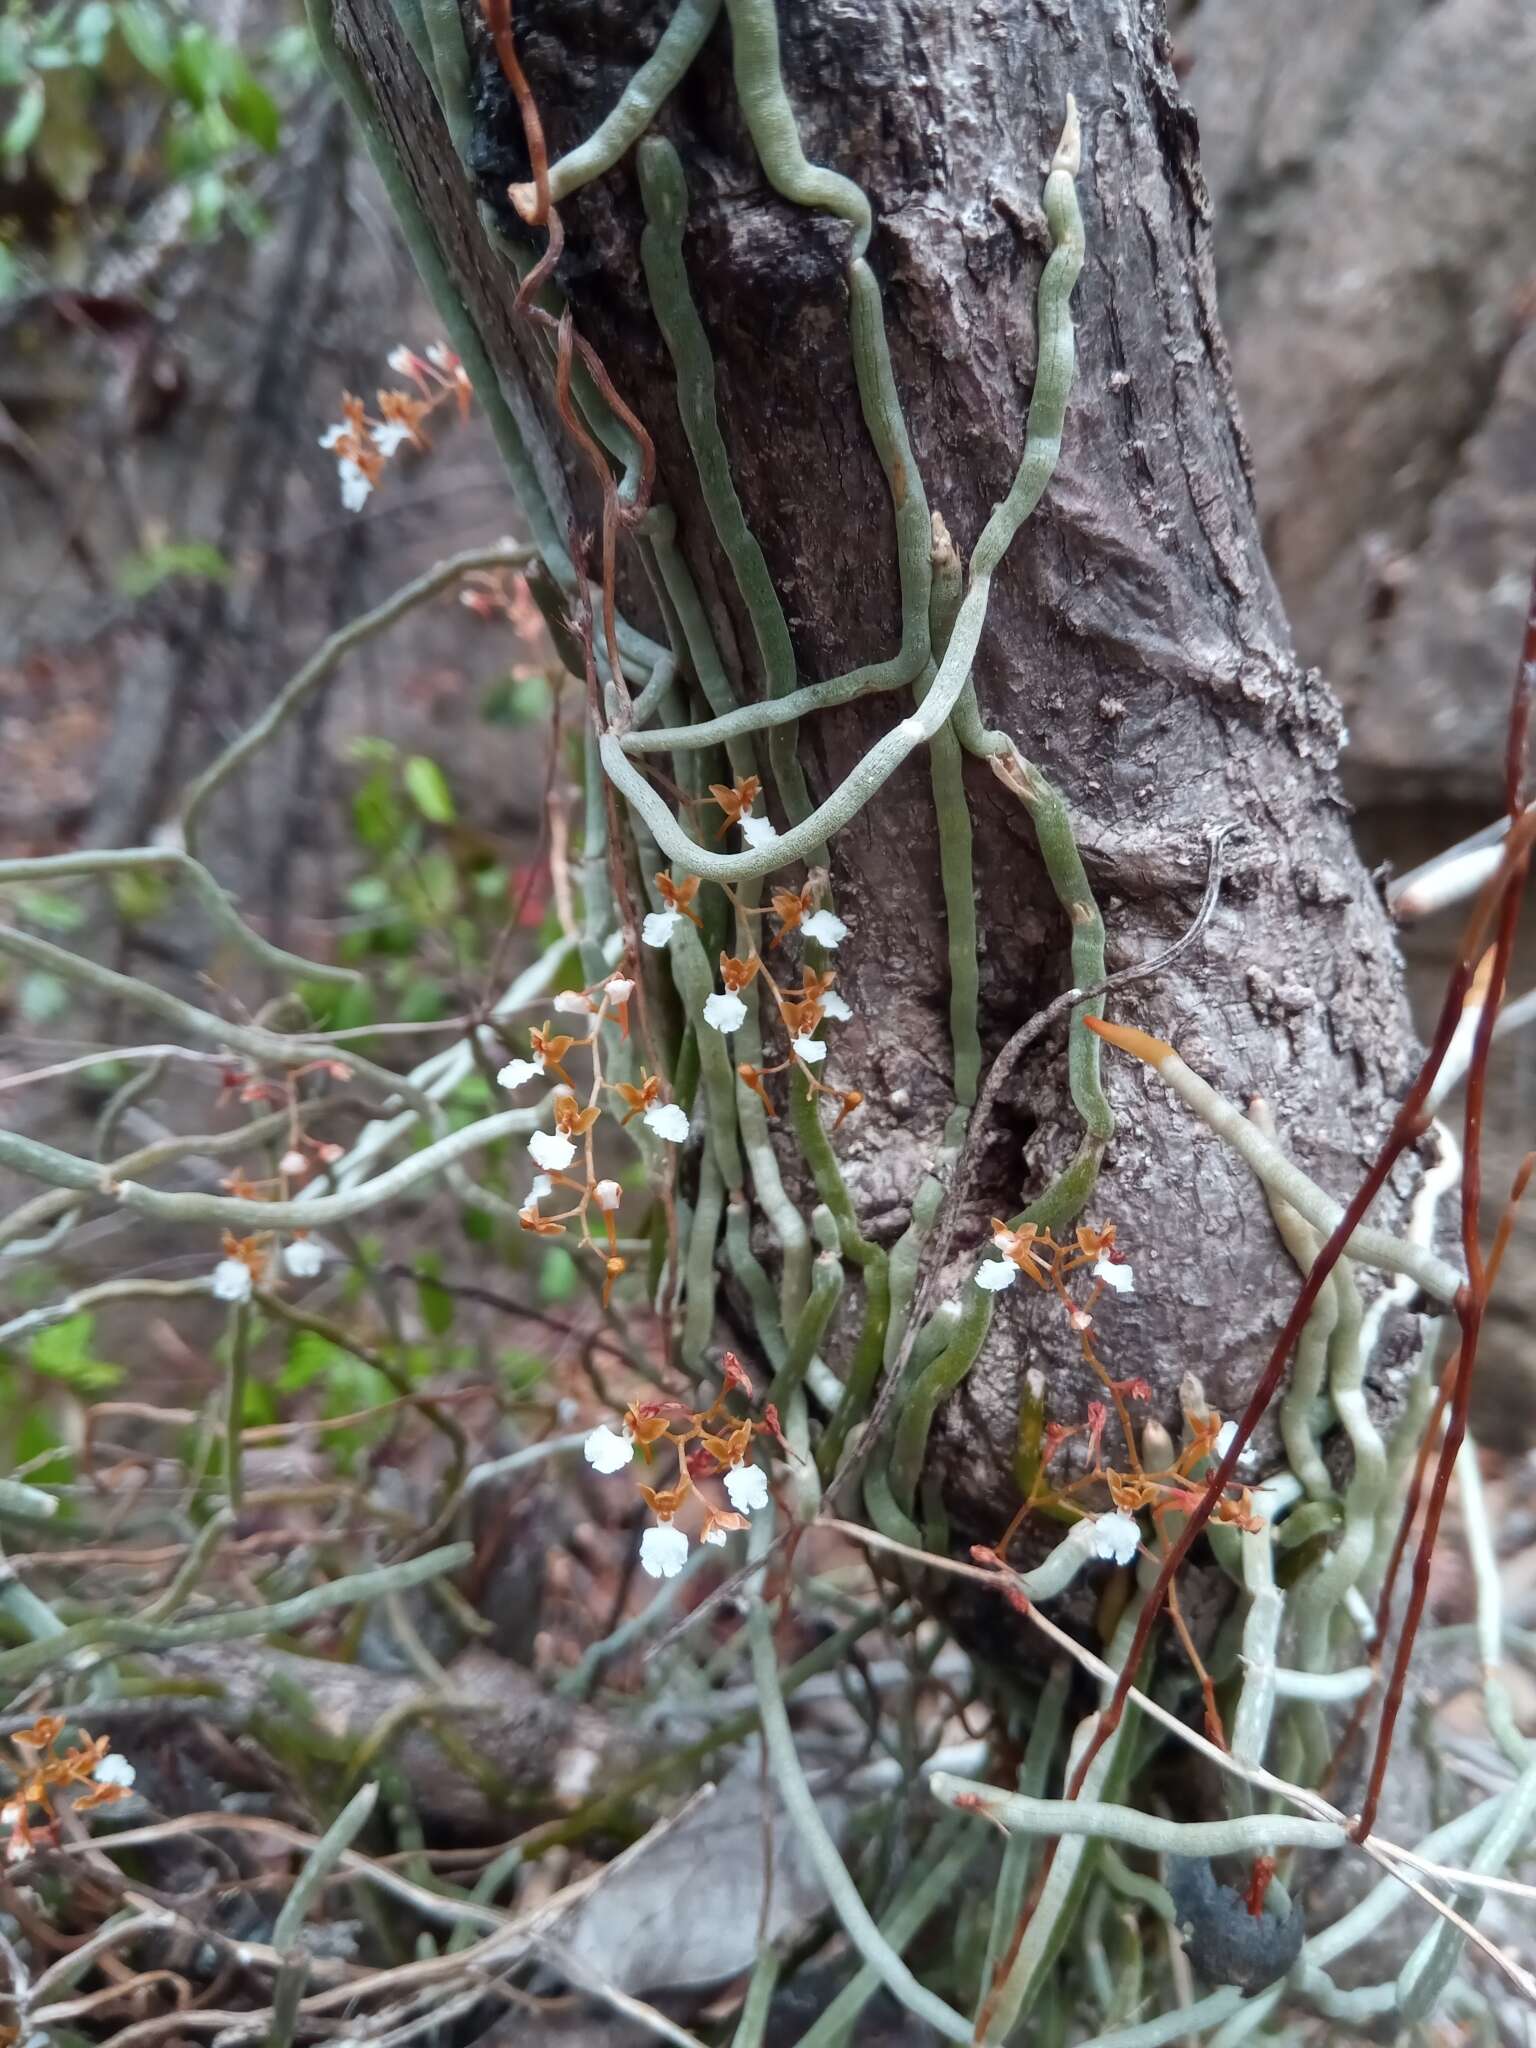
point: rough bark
(1135, 644)
(1374, 168)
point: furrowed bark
(1135, 646)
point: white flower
(542, 1186)
(663, 1551)
(747, 1488)
(304, 1257)
(756, 832)
(1116, 1275)
(231, 1281)
(659, 926)
(833, 1006)
(605, 1450)
(1116, 1537)
(441, 357)
(293, 1162)
(334, 435)
(400, 360)
(573, 1003)
(811, 1050)
(552, 1150)
(114, 1770)
(518, 1073)
(714, 1534)
(724, 1012)
(387, 438)
(1226, 1436)
(668, 1121)
(607, 1195)
(618, 989)
(824, 926)
(355, 487)
(993, 1275)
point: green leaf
(376, 817)
(252, 109)
(37, 1438)
(138, 575)
(523, 1371)
(143, 30)
(437, 1306)
(430, 888)
(63, 1353)
(428, 789)
(140, 894)
(259, 1405)
(558, 1278)
(21, 130)
(477, 1226)
(311, 1357)
(423, 1001)
(15, 58)
(198, 65)
(210, 194)
(41, 998)
(50, 908)
(516, 700)
(93, 24)
(352, 1007)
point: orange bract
(679, 896)
(734, 800)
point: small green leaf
(143, 31)
(423, 1001)
(138, 575)
(310, 1357)
(437, 1305)
(376, 816)
(140, 895)
(93, 24)
(197, 65)
(63, 1353)
(516, 700)
(253, 110)
(558, 1278)
(523, 1371)
(428, 790)
(41, 998)
(210, 193)
(41, 1449)
(430, 888)
(14, 54)
(21, 130)
(51, 909)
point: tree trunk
(1134, 645)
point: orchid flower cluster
(1168, 1484)
(362, 445)
(555, 1152)
(249, 1262)
(709, 1444)
(803, 1010)
(30, 1811)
